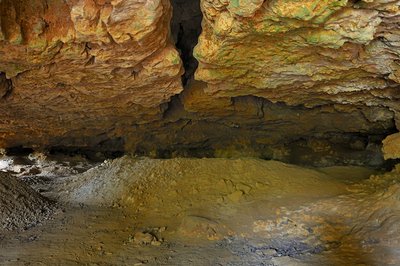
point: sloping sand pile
(20, 206)
(130, 181)
(224, 211)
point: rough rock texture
(302, 52)
(300, 81)
(20, 206)
(185, 29)
(391, 146)
(75, 70)
(329, 55)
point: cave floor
(140, 211)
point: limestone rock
(391, 146)
(141, 238)
(84, 68)
(301, 52)
(300, 81)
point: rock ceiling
(273, 76)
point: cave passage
(186, 29)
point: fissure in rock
(186, 29)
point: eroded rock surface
(302, 52)
(391, 146)
(83, 70)
(276, 79)
(328, 55)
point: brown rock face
(291, 80)
(391, 146)
(84, 68)
(302, 52)
(317, 54)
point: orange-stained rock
(301, 52)
(313, 54)
(391, 146)
(196, 100)
(301, 81)
(83, 68)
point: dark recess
(6, 86)
(186, 29)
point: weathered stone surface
(200, 125)
(302, 52)
(84, 68)
(301, 81)
(391, 146)
(341, 56)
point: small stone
(391, 146)
(143, 238)
(269, 252)
(155, 243)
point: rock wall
(83, 71)
(301, 81)
(302, 52)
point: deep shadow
(186, 29)
(6, 86)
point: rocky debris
(141, 238)
(146, 238)
(20, 206)
(39, 164)
(132, 181)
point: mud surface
(140, 211)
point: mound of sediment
(130, 181)
(281, 209)
(20, 205)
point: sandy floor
(140, 211)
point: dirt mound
(220, 212)
(200, 198)
(20, 206)
(133, 181)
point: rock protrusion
(391, 146)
